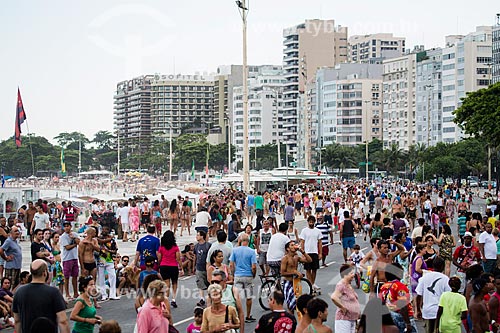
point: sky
(68, 56)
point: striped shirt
(325, 230)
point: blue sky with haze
(67, 56)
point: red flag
(20, 118)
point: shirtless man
(462, 206)
(385, 258)
(289, 270)
(298, 203)
(477, 307)
(86, 253)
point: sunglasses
(216, 281)
(125, 260)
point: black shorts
(145, 219)
(169, 273)
(89, 266)
(298, 205)
(314, 264)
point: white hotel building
(265, 107)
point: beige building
(374, 48)
(183, 103)
(348, 105)
(399, 102)
(307, 47)
(132, 113)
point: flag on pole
(63, 164)
(20, 118)
(192, 172)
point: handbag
(226, 321)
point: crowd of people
(416, 268)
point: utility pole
(242, 7)
(118, 152)
(307, 130)
(367, 134)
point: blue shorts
(348, 242)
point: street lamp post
(242, 7)
(490, 65)
(228, 145)
(367, 132)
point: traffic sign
(364, 163)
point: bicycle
(269, 283)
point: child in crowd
(356, 256)
(195, 327)
(149, 261)
(187, 258)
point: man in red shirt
(465, 256)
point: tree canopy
(479, 114)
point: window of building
(448, 129)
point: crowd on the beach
(417, 268)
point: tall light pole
(170, 151)
(307, 131)
(490, 65)
(243, 9)
(118, 152)
(228, 145)
(367, 132)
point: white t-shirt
(41, 221)
(490, 246)
(431, 286)
(202, 219)
(264, 239)
(123, 214)
(311, 237)
(276, 249)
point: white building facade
(429, 117)
(265, 109)
(374, 48)
(466, 67)
(399, 102)
(348, 104)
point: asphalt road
(327, 277)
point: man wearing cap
(465, 256)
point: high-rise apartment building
(399, 101)
(225, 80)
(496, 51)
(348, 104)
(183, 104)
(429, 119)
(374, 48)
(132, 113)
(466, 67)
(307, 47)
(265, 105)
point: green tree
(479, 114)
(71, 140)
(104, 140)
